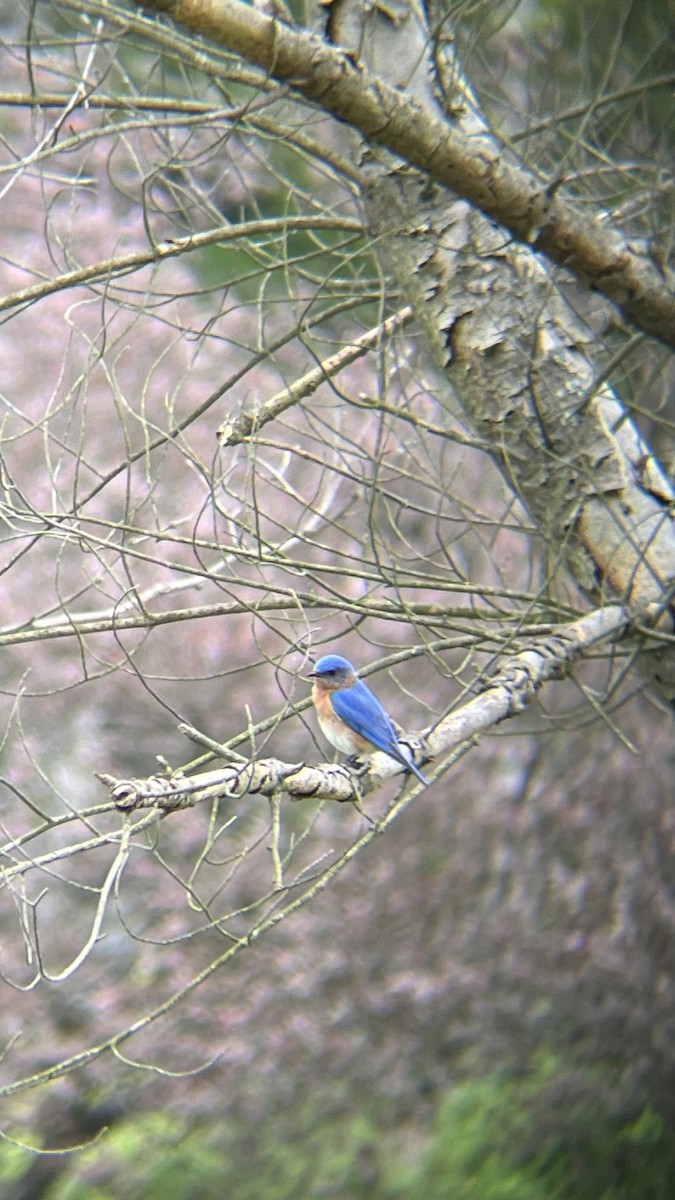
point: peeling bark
(514, 353)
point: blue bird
(351, 717)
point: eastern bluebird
(351, 717)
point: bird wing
(362, 711)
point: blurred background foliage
(482, 1002)
(489, 1139)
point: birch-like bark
(515, 355)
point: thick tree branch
(494, 319)
(477, 169)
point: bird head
(332, 671)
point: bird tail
(406, 758)
(416, 771)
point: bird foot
(360, 766)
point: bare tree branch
(476, 169)
(505, 694)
